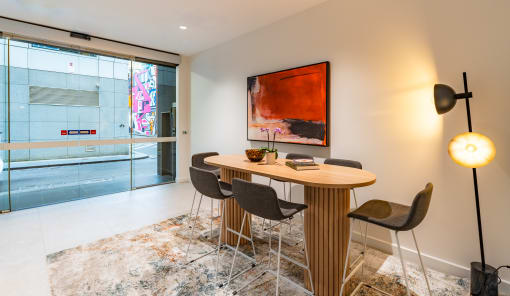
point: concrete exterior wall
(39, 122)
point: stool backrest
(298, 156)
(257, 199)
(205, 182)
(343, 162)
(419, 208)
(197, 160)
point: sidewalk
(20, 165)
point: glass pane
(153, 115)
(106, 169)
(4, 179)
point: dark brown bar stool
(393, 216)
(197, 160)
(206, 182)
(261, 200)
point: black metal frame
(328, 133)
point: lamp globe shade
(472, 150)
(444, 98)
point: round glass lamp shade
(444, 98)
(472, 150)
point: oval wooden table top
(329, 176)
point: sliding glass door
(82, 124)
(153, 118)
(4, 136)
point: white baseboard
(432, 262)
(181, 180)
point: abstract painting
(294, 100)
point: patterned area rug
(151, 261)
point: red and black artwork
(294, 100)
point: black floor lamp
(472, 150)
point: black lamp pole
(475, 179)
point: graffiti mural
(144, 98)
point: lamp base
(483, 282)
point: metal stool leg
(421, 262)
(403, 263)
(264, 220)
(356, 205)
(346, 260)
(251, 238)
(364, 250)
(212, 217)
(284, 191)
(308, 262)
(237, 248)
(191, 211)
(193, 228)
(278, 264)
(270, 239)
(219, 242)
(290, 200)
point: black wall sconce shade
(444, 98)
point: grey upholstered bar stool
(197, 160)
(206, 183)
(393, 216)
(261, 200)
(289, 156)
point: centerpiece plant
(271, 152)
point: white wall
(385, 58)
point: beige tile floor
(27, 236)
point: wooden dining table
(326, 226)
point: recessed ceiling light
(183, 27)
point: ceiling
(155, 23)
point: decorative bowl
(255, 155)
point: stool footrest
(354, 270)
(363, 284)
(240, 253)
(238, 233)
(289, 259)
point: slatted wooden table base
(234, 214)
(327, 232)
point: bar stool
(207, 184)
(346, 163)
(290, 156)
(391, 216)
(351, 164)
(261, 200)
(197, 160)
